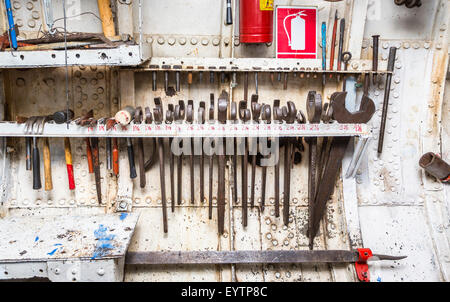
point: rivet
(17, 5)
(31, 23)
(74, 271)
(236, 42)
(269, 236)
(385, 45)
(57, 271)
(20, 82)
(182, 41)
(161, 40)
(406, 45)
(35, 15)
(148, 200)
(439, 45)
(426, 45)
(216, 41)
(30, 5)
(194, 41)
(226, 41)
(171, 41)
(150, 40)
(100, 271)
(205, 42)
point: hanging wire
(66, 64)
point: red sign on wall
(296, 32)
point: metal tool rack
(138, 59)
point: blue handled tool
(12, 31)
(324, 51)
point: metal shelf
(123, 55)
(10, 129)
(255, 65)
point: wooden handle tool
(47, 166)
(68, 154)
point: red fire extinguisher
(256, 21)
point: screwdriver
(324, 51)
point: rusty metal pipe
(435, 166)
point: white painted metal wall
(391, 207)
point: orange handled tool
(333, 42)
(115, 153)
(89, 155)
(47, 166)
(68, 154)
(104, 9)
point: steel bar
(247, 257)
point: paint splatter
(378, 279)
(58, 247)
(36, 239)
(104, 242)
(123, 216)
(52, 252)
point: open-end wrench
(289, 116)
(190, 120)
(314, 112)
(158, 116)
(138, 117)
(233, 118)
(266, 116)
(337, 151)
(179, 117)
(256, 112)
(222, 107)
(169, 119)
(244, 115)
(211, 159)
(277, 119)
(201, 120)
